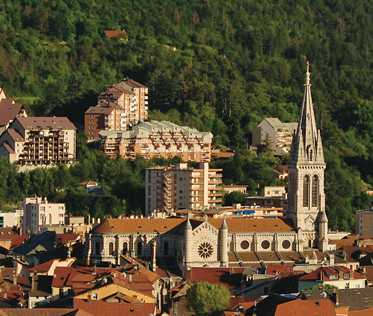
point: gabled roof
(44, 267)
(37, 244)
(112, 34)
(9, 111)
(17, 137)
(356, 299)
(330, 271)
(8, 233)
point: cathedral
(233, 242)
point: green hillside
(235, 63)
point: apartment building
(38, 212)
(118, 108)
(279, 134)
(364, 222)
(158, 139)
(39, 140)
(139, 111)
(180, 187)
(105, 116)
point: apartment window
(95, 296)
(1, 221)
(60, 215)
(60, 207)
(111, 248)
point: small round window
(265, 244)
(245, 244)
(286, 244)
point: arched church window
(125, 247)
(111, 248)
(139, 248)
(311, 154)
(306, 191)
(97, 248)
(315, 191)
(165, 248)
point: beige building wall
(39, 212)
(180, 187)
(364, 223)
(10, 219)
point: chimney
(352, 274)
(340, 275)
(254, 309)
(336, 297)
(321, 275)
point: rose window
(205, 250)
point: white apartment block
(39, 212)
(279, 134)
(180, 187)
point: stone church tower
(306, 197)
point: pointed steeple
(307, 144)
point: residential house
(269, 196)
(235, 188)
(158, 139)
(338, 276)
(280, 172)
(7, 234)
(9, 110)
(38, 213)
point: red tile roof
(8, 233)
(229, 277)
(112, 34)
(162, 225)
(44, 267)
(322, 307)
(328, 271)
(35, 311)
(99, 308)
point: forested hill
(235, 63)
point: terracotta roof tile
(162, 225)
(36, 311)
(112, 34)
(309, 307)
(329, 270)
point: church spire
(307, 144)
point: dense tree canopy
(206, 299)
(215, 65)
